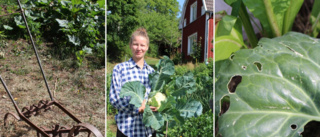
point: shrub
(177, 59)
(191, 128)
(180, 70)
(201, 70)
(75, 28)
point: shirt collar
(133, 64)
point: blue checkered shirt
(128, 119)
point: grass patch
(81, 91)
(152, 61)
(111, 126)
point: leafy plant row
(75, 27)
(176, 107)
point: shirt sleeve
(122, 104)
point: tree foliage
(159, 17)
(121, 21)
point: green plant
(276, 17)
(210, 67)
(204, 92)
(201, 70)
(73, 26)
(192, 126)
(272, 89)
(110, 109)
(180, 70)
(196, 51)
(315, 19)
(177, 59)
(176, 107)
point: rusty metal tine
(35, 50)
(9, 93)
(93, 129)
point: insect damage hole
(225, 104)
(311, 129)
(258, 65)
(293, 126)
(231, 56)
(244, 67)
(233, 83)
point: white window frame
(184, 22)
(192, 16)
(190, 42)
(202, 10)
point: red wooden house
(196, 24)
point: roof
(208, 6)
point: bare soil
(80, 90)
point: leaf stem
(272, 19)
(167, 128)
(291, 14)
(243, 14)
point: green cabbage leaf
(273, 89)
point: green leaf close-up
(270, 13)
(159, 78)
(134, 89)
(273, 88)
(228, 37)
(189, 108)
(152, 119)
(184, 85)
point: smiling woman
(129, 119)
(139, 45)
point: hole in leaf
(244, 67)
(231, 56)
(258, 65)
(293, 126)
(311, 129)
(225, 104)
(235, 80)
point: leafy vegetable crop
(74, 26)
(175, 107)
(273, 89)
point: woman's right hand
(142, 107)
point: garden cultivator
(45, 105)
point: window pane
(194, 12)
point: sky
(181, 4)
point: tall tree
(159, 17)
(121, 21)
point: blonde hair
(140, 32)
